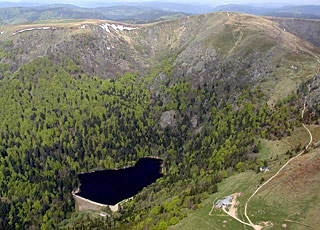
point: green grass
(293, 195)
(270, 149)
(223, 40)
(200, 219)
(277, 201)
(285, 79)
(57, 21)
(78, 217)
(245, 182)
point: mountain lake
(112, 186)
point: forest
(58, 122)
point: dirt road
(306, 148)
(233, 211)
(258, 189)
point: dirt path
(258, 189)
(237, 219)
(233, 209)
(306, 148)
(214, 202)
(232, 212)
(236, 44)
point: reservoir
(112, 186)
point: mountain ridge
(143, 12)
(203, 92)
(223, 40)
(136, 14)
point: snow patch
(1, 32)
(33, 28)
(122, 28)
(83, 27)
(116, 27)
(108, 48)
(105, 27)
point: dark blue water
(113, 186)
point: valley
(216, 96)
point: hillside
(141, 12)
(290, 199)
(204, 93)
(133, 14)
(306, 29)
(224, 43)
(287, 11)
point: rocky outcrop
(169, 118)
(225, 51)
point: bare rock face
(194, 121)
(195, 61)
(169, 118)
(97, 51)
(314, 95)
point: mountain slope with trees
(70, 105)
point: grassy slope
(292, 195)
(231, 35)
(286, 79)
(235, 35)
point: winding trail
(213, 203)
(232, 212)
(236, 218)
(270, 179)
(251, 224)
(306, 148)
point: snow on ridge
(129, 28)
(33, 28)
(116, 27)
(122, 28)
(105, 27)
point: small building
(224, 202)
(264, 169)
(294, 67)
